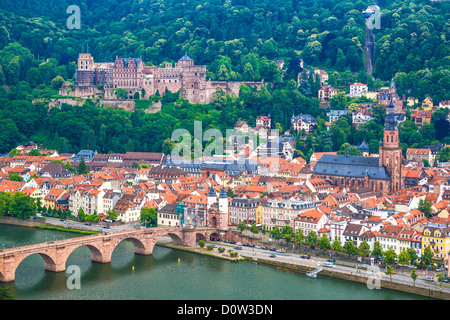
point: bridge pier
(8, 269)
(189, 237)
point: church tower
(390, 153)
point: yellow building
(258, 214)
(34, 193)
(438, 239)
(427, 104)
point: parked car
(331, 260)
(272, 249)
(428, 278)
(439, 269)
(280, 250)
(238, 248)
(264, 248)
(364, 266)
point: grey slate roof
(185, 58)
(126, 60)
(231, 168)
(350, 166)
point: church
(382, 174)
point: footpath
(373, 277)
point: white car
(328, 264)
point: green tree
(389, 271)
(287, 232)
(81, 214)
(311, 239)
(444, 155)
(22, 206)
(121, 93)
(412, 255)
(242, 226)
(276, 233)
(440, 278)
(403, 257)
(324, 243)
(14, 177)
(425, 207)
(149, 216)
(377, 251)
(427, 257)
(414, 275)
(364, 249)
(254, 229)
(57, 82)
(389, 256)
(5, 294)
(350, 248)
(299, 238)
(34, 152)
(111, 214)
(82, 169)
(336, 245)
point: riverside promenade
(373, 277)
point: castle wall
(133, 76)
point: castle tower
(223, 201)
(218, 213)
(85, 61)
(390, 153)
(210, 198)
(85, 73)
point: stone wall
(23, 223)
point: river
(169, 274)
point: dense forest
(237, 40)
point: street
(341, 266)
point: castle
(141, 81)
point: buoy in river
(178, 260)
(132, 268)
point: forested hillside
(236, 39)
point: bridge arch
(49, 264)
(97, 254)
(139, 243)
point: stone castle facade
(141, 81)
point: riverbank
(303, 266)
(293, 263)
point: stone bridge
(56, 253)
